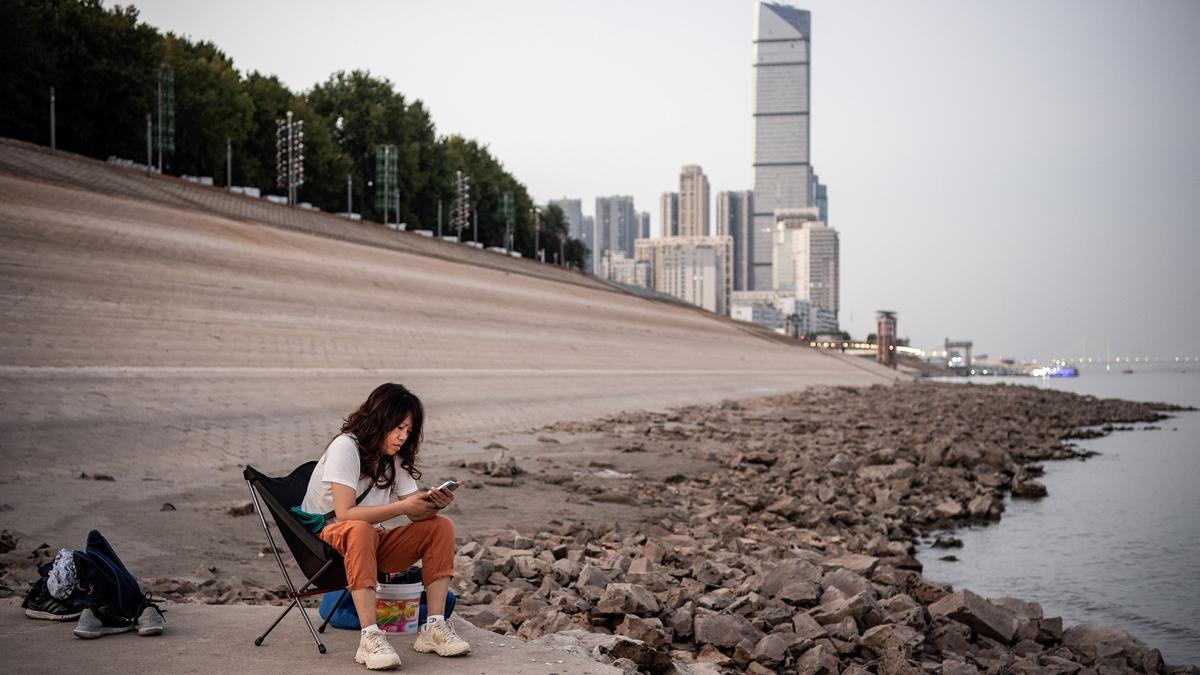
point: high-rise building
(821, 199)
(735, 217)
(616, 226)
(573, 211)
(589, 240)
(806, 258)
(782, 170)
(643, 227)
(693, 202)
(697, 270)
(669, 210)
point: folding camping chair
(321, 564)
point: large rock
(983, 506)
(788, 507)
(725, 630)
(800, 593)
(818, 660)
(841, 464)
(622, 598)
(788, 572)
(680, 620)
(650, 631)
(591, 582)
(807, 627)
(886, 472)
(846, 581)
(890, 637)
(1027, 488)
(834, 607)
(1094, 643)
(982, 616)
(772, 648)
(547, 620)
(862, 565)
(948, 509)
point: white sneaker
(440, 637)
(376, 653)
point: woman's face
(396, 437)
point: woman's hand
(419, 506)
(441, 498)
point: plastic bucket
(397, 607)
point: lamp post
(537, 230)
(53, 123)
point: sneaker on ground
(440, 637)
(39, 604)
(150, 620)
(99, 621)
(376, 653)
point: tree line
(105, 64)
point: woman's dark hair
(384, 410)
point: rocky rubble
(797, 555)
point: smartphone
(450, 485)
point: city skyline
(987, 158)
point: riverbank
(760, 535)
(786, 529)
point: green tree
(363, 112)
(211, 105)
(102, 64)
(489, 182)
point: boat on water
(1127, 371)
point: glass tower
(782, 171)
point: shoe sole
(157, 630)
(423, 649)
(90, 635)
(360, 659)
(47, 616)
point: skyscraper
(735, 217)
(693, 202)
(669, 210)
(573, 211)
(589, 240)
(616, 227)
(643, 225)
(820, 198)
(782, 171)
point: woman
(367, 476)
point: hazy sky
(1024, 174)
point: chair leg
(259, 640)
(287, 578)
(336, 606)
(308, 621)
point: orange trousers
(369, 550)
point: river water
(1117, 541)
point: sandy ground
(166, 341)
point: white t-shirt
(340, 465)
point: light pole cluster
(460, 211)
(166, 113)
(387, 177)
(289, 155)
